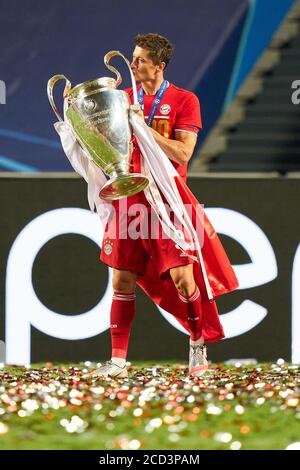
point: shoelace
(199, 351)
(110, 363)
(106, 365)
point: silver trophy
(99, 117)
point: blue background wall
(214, 49)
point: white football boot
(110, 369)
(198, 363)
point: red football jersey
(179, 110)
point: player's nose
(133, 64)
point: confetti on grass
(155, 399)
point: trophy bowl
(98, 114)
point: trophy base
(120, 187)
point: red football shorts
(133, 235)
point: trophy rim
(136, 181)
(84, 87)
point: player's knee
(123, 281)
(185, 285)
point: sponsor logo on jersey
(165, 109)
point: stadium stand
(259, 132)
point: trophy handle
(50, 87)
(107, 58)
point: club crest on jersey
(165, 109)
(108, 247)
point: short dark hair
(160, 48)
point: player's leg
(121, 317)
(128, 258)
(122, 312)
(189, 294)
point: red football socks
(121, 317)
(192, 313)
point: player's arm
(179, 149)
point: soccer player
(173, 116)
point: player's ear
(162, 66)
